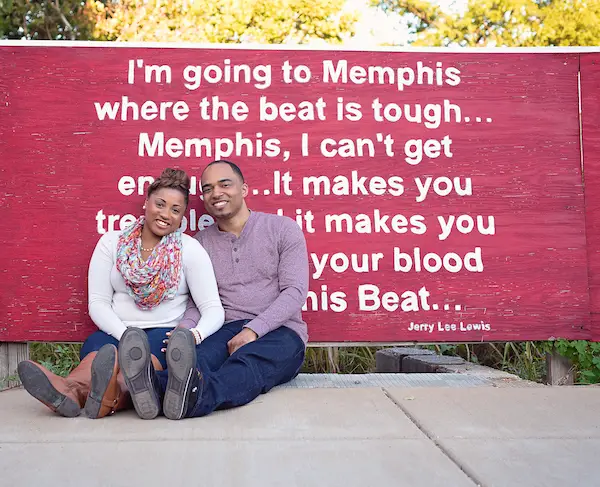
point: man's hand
(242, 338)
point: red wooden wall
(517, 139)
(590, 117)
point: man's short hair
(233, 167)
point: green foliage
(528, 359)
(502, 23)
(59, 358)
(342, 360)
(524, 359)
(44, 19)
(585, 356)
(459, 350)
(224, 21)
(8, 382)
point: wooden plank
(560, 370)
(512, 120)
(590, 120)
(10, 356)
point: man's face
(223, 191)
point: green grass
(524, 359)
(339, 360)
(59, 358)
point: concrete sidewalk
(464, 434)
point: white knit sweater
(113, 310)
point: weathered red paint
(61, 165)
(590, 117)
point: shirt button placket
(233, 241)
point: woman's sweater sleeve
(202, 283)
(100, 290)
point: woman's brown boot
(104, 388)
(108, 392)
(63, 395)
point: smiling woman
(167, 200)
(140, 280)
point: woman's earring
(144, 207)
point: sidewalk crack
(467, 471)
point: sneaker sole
(103, 367)
(39, 386)
(135, 361)
(181, 364)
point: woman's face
(164, 211)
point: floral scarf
(149, 282)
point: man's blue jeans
(254, 369)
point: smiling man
(261, 265)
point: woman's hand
(168, 335)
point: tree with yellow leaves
(500, 23)
(227, 21)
